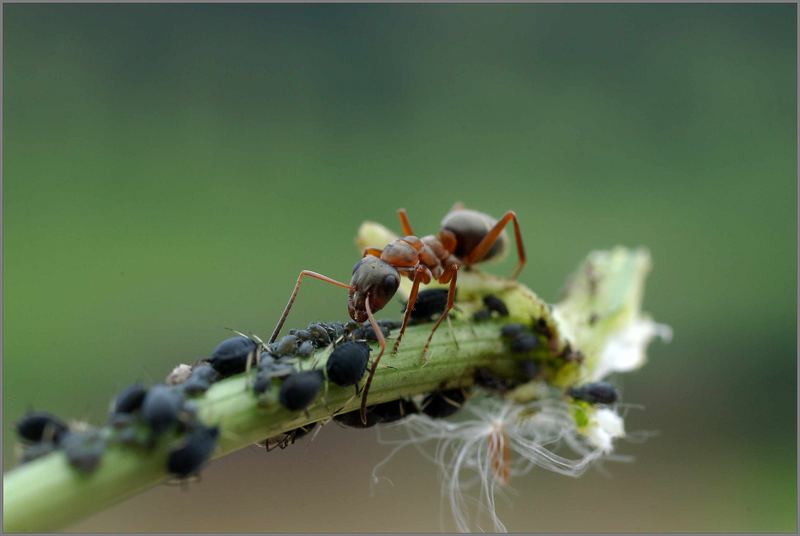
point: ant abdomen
(470, 227)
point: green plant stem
(48, 494)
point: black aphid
(394, 410)
(230, 357)
(195, 386)
(84, 449)
(276, 369)
(481, 315)
(529, 368)
(38, 426)
(595, 393)
(365, 332)
(390, 324)
(266, 360)
(161, 408)
(262, 382)
(130, 399)
(487, 379)
(348, 363)
(334, 329)
(443, 404)
(196, 449)
(430, 303)
(305, 349)
(495, 305)
(524, 342)
(302, 334)
(299, 390)
(319, 335)
(509, 331)
(205, 372)
(285, 346)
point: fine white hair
(541, 433)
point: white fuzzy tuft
(624, 351)
(470, 452)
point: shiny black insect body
(284, 346)
(299, 390)
(510, 331)
(231, 356)
(305, 349)
(595, 393)
(430, 302)
(194, 452)
(495, 305)
(524, 343)
(319, 335)
(442, 404)
(200, 379)
(38, 426)
(84, 449)
(130, 399)
(394, 410)
(481, 315)
(348, 363)
(161, 408)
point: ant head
(374, 278)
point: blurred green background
(169, 169)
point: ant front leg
(288, 307)
(451, 295)
(382, 343)
(412, 300)
(491, 237)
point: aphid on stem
(466, 237)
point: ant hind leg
(491, 237)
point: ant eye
(358, 264)
(391, 282)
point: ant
(466, 237)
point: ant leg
(404, 223)
(452, 333)
(288, 307)
(492, 236)
(412, 300)
(382, 343)
(451, 295)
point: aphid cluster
(437, 405)
(298, 387)
(141, 416)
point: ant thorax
(410, 252)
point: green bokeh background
(168, 170)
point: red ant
(466, 237)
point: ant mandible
(466, 237)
